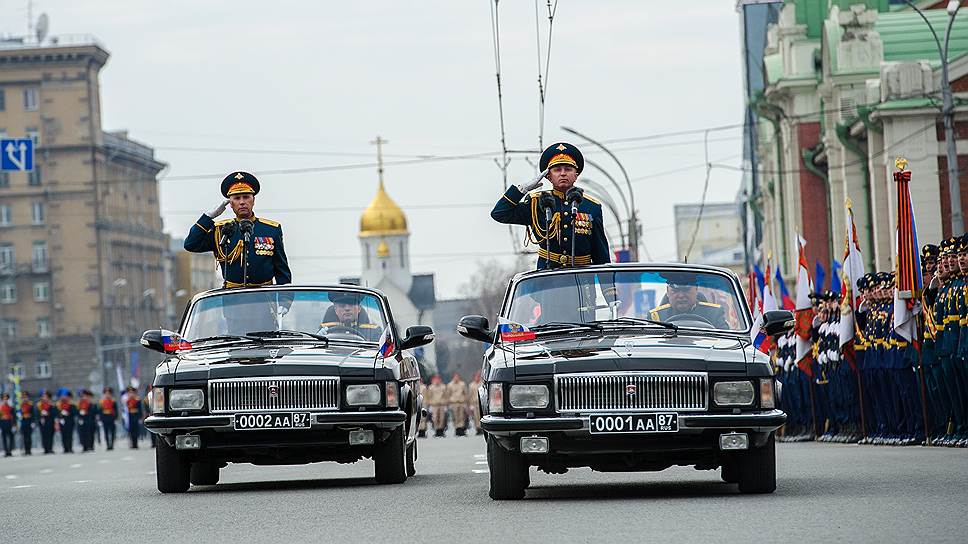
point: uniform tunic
(265, 255)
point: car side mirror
(778, 322)
(475, 327)
(418, 335)
(164, 341)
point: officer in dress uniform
(28, 416)
(133, 411)
(947, 311)
(108, 414)
(86, 420)
(683, 299)
(263, 258)
(8, 423)
(562, 221)
(46, 415)
(959, 367)
(66, 417)
(457, 397)
(346, 313)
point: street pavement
(826, 492)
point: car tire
(757, 469)
(204, 473)
(172, 469)
(390, 458)
(412, 458)
(508, 472)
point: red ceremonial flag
(804, 309)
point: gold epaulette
(591, 199)
(710, 304)
(660, 308)
(269, 222)
(329, 324)
(368, 326)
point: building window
(6, 258)
(4, 180)
(8, 327)
(31, 99)
(37, 213)
(33, 177)
(40, 256)
(4, 215)
(43, 369)
(43, 327)
(8, 292)
(3, 100)
(18, 370)
(41, 291)
(33, 134)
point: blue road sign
(16, 154)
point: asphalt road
(826, 492)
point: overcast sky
(276, 86)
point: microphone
(228, 231)
(245, 226)
(574, 195)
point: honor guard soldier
(67, 415)
(28, 415)
(457, 396)
(108, 414)
(86, 420)
(249, 249)
(132, 405)
(46, 416)
(8, 422)
(565, 223)
(437, 402)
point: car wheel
(390, 458)
(171, 468)
(412, 458)
(204, 473)
(508, 472)
(729, 472)
(757, 469)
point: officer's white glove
(533, 184)
(217, 210)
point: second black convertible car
(627, 368)
(284, 375)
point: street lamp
(633, 219)
(948, 112)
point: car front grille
(273, 394)
(628, 391)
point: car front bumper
(390, 419)
(689, 423)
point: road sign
(16, 154)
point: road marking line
(480, 471)
(11, 476)
(480, 456)
(46, 470)
(150, 473)
(83, 481)
(480, 462)
(127, 458)
(76, 465)
(22, 486)
(103, 461)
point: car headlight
(766, 393)
(733, 393)
(157, 400)
(185, 399)
(529, 396)
(360, 395)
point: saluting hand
(533, 184)
(217, 210)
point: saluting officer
(565, 223)
(249, 249)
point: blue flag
(818, 278)
(835, 276)
(760, 280)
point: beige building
(82, 268)
(719, 239)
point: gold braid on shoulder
(220, 255)
(535, 234)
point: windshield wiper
(227, 337)
(287, 333)
(641, 321)
(554, 325)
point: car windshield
(336, 314)
(685, 298)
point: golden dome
(383, 250)
(382, 216)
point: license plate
(633, 423)
(280, 420)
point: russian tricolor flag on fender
(513, 332)
(386, 343)
(172, 342)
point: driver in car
(684, 300)
(346, 313)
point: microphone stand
(547, 201)
(575, 196)
(246, 227)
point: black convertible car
(627, 367)
(284, 375)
